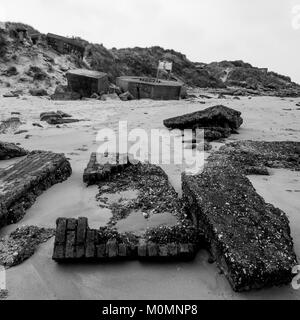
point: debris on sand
(56, 118)
(154, 192)
(10, 125)
(24, 181)
(37, 125)
(21, 244)
(10, 150)
(63, 93)
(218, 122)
(38, 92)
(249, 238)
(21, 131)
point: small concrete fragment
(10, 150)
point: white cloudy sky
(257, 31)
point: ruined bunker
(150, 88)
(87, 82)
(65, 45)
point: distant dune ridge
(128, 61)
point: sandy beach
(265, 118)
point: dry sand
(41, 278)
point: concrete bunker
(87, 82)
(65, 45)
(150, 88)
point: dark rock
(108, 244)
(10, 150)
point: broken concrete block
(216, 116)
(22, 182)
(249, 239)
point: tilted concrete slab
(23, 182)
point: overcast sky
(257, 31)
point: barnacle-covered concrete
(249, 238)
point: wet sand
(41, 278)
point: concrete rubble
(248, 238)
(217, 121)
(75, 241)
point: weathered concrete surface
(23, 182)
(249, 238)
(95, 171)
(253, 157)
(218, 121)
(75, 241)
(150, 88)
(10, 150)
(21, 244)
